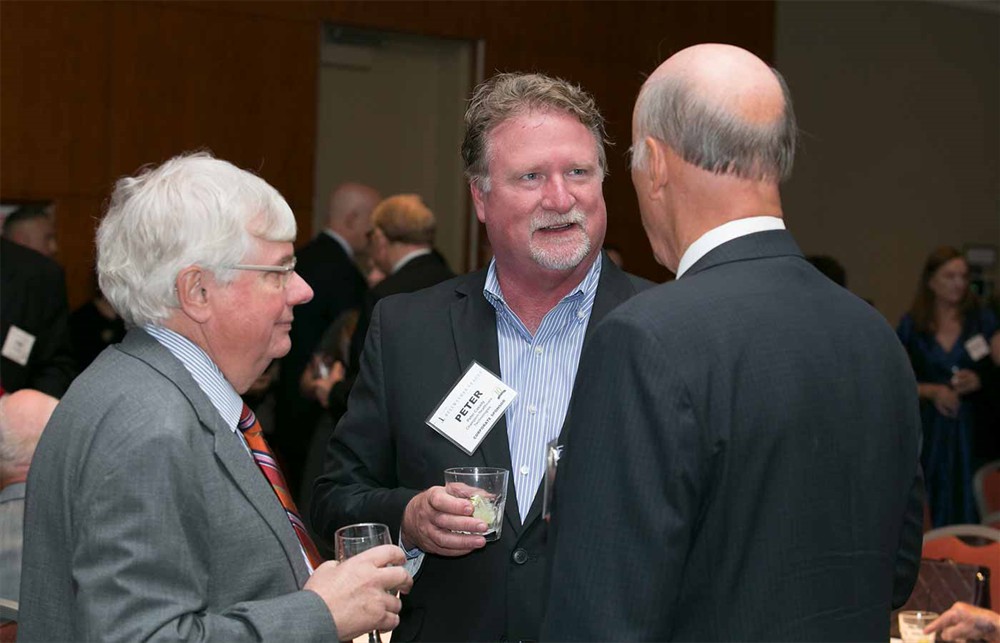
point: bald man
(741, 451)
(23, 415)
(329, 263)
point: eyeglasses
(284, 271)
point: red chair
(970, 544)
(986, 488)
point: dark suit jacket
(383, 454)
(338, 286)
(740, 462)
(33, 298)
(148, 519)
(421, 272)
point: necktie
(262, 455)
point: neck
(7, 478)
(397, 251)
(945, 311)
(707, 201)
(531, 297)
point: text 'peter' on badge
(472, 408)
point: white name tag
(977, 348)
(472, 408)
(17, 346)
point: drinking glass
(354, 539)
(486, 487)
(912, 624)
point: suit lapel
(474, 328)
(229, 450)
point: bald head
(348, 215)
(720, 108)
(23, 415)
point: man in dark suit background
(534, 157)
(330, 265)
(401, 247)
(34, 322)
(741, 450)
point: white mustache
(574, 216)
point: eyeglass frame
(285, 270)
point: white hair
(712, 137)
(192, 210)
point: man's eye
(530, 176)
(578, 172)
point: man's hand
(361, 591)
(431, 517)
(946, 401)
(964, 621)
(965, 382)
(317, 387)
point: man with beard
(535, 161)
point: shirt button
(532, 409)
(538, 350)
(524, 469)
(580, 314)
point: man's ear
(192, 294)
(658, 167)
(478, 198)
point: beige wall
(898, 105)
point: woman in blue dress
(954, 346)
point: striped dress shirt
(542, 369)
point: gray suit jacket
(740, 462)
(148, 520)
(382, 454)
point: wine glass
(354, 539)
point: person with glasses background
(154, 507)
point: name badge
(17, 347)
(472, 408)
(977, 348)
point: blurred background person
(35, 348)
(93, 327)
(23, 416)
(954, 347)
(32, 226)
(331, 265)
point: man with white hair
(23, 415)
(741, 461)
(154, 506)
(535, 160)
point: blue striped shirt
(542, 370)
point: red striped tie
(265, 460)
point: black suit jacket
(383, 454)
(421, 272)
(740, 462)
(338, 286)
(33, 298)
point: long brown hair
(922, 309)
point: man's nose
(556, 196)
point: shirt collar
(725, 232)
(587, 288)
(203, 370)
(343, 242)
(408, 258)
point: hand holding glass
(354, 539)
(486, 488)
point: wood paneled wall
(91, 91)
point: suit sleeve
(628, 492)
(140, 555)
(359, 482)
